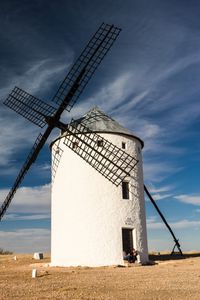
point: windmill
(112, 162)
(96, 139)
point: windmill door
(127, 239)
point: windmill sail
(29, 161)
(108, 159)
(86, 65)
(29, 106)
(69, 91)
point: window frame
(124, 145)
(100, 143)
(126, 195)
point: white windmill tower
(93, 221)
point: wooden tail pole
(164, 220)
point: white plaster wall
(88, 212)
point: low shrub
(5, 252)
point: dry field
(167, 279)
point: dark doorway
(127, 239)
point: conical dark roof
(97, 121)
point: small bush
(5, 252)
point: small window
(123, 145)
(74, 145)
(125, 190)
(100, 143)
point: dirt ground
(167, 279)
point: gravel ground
(167, 279)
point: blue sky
(149, 82)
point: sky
(148, 82)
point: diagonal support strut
(164, 220)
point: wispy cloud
(159, 196)
(194, 200)
(20, 217)
(27, 240)
(107, 97)
(183, 224)
(156, 171)
(30, 200)
(37, 79)
(160, 193)
(40, 76)
(160, 189)
(45, 167)
(14, 136)
(132, 102)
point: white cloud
(115, 92)
(40, 75)
(14, 135)
(141, 96)
(150, 131)
(155, 225)
(43, 74)
(159, 193)
(157, 101)
(151, 219)
(107, 96)
(195, 200)
(161, 196)
(30, 200)
(45, 167)
(161, 189)
(144, 86)
(183, 224)
(26, 240)
(157, 171)
(186, 224)
(18, 217)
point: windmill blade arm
(30, 107)
(163, 218)
(40, 141)
(85, 66)
(108, 159)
